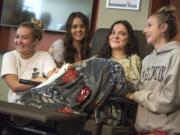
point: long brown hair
(69, 49)
(130, 49)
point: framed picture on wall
(123, 4)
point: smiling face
(24, 42)
(77, 30)
(154, 31)
(119, 37)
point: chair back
(100, 36)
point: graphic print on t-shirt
(35, 73)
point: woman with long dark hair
(75, 45)
(121, 46)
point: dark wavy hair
(69, 50)
(130, 48)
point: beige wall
(3, 86)
(107, 16)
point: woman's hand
(54, 71)
(130, 95)
(39, 79)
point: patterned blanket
(78, 88)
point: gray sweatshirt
(159, 97)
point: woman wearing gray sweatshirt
(159, 96)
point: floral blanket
(78, 88)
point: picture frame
(123, 4)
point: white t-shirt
(37, 66)
(56, 50)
